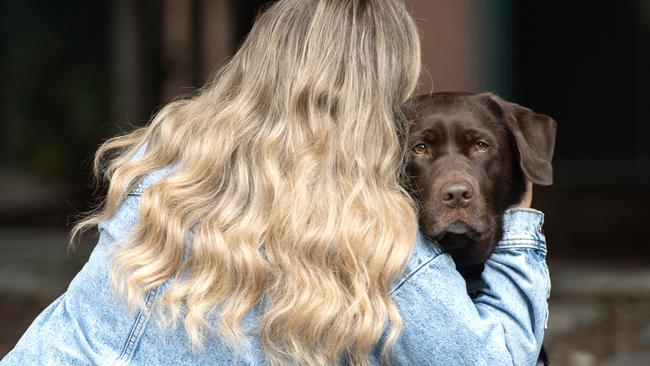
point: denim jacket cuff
(522, 228)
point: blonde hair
(286, 172)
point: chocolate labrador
(471, 155)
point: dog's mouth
(456, 236)
(458, 227)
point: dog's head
(470, 156)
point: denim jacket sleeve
(503, 325)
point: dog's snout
(456, 194)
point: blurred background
(77, 72)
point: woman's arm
(503, 325)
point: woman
(262, 221)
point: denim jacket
(503, 325)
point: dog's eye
(420, 148)
(482, 146)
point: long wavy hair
(287, 168)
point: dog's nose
(456, 194)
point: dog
(471, 156)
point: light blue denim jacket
(503, 325)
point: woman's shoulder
(153, 176)
(125, 217)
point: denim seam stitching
(527, 240)
(540, 250)
(547, 278)
(137, 191)
(505, 336)
(412, 273)
(521, 243)
(516, 243)
(138, 326)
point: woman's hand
(527, 199)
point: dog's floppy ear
(534, 134)
(411, 108)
